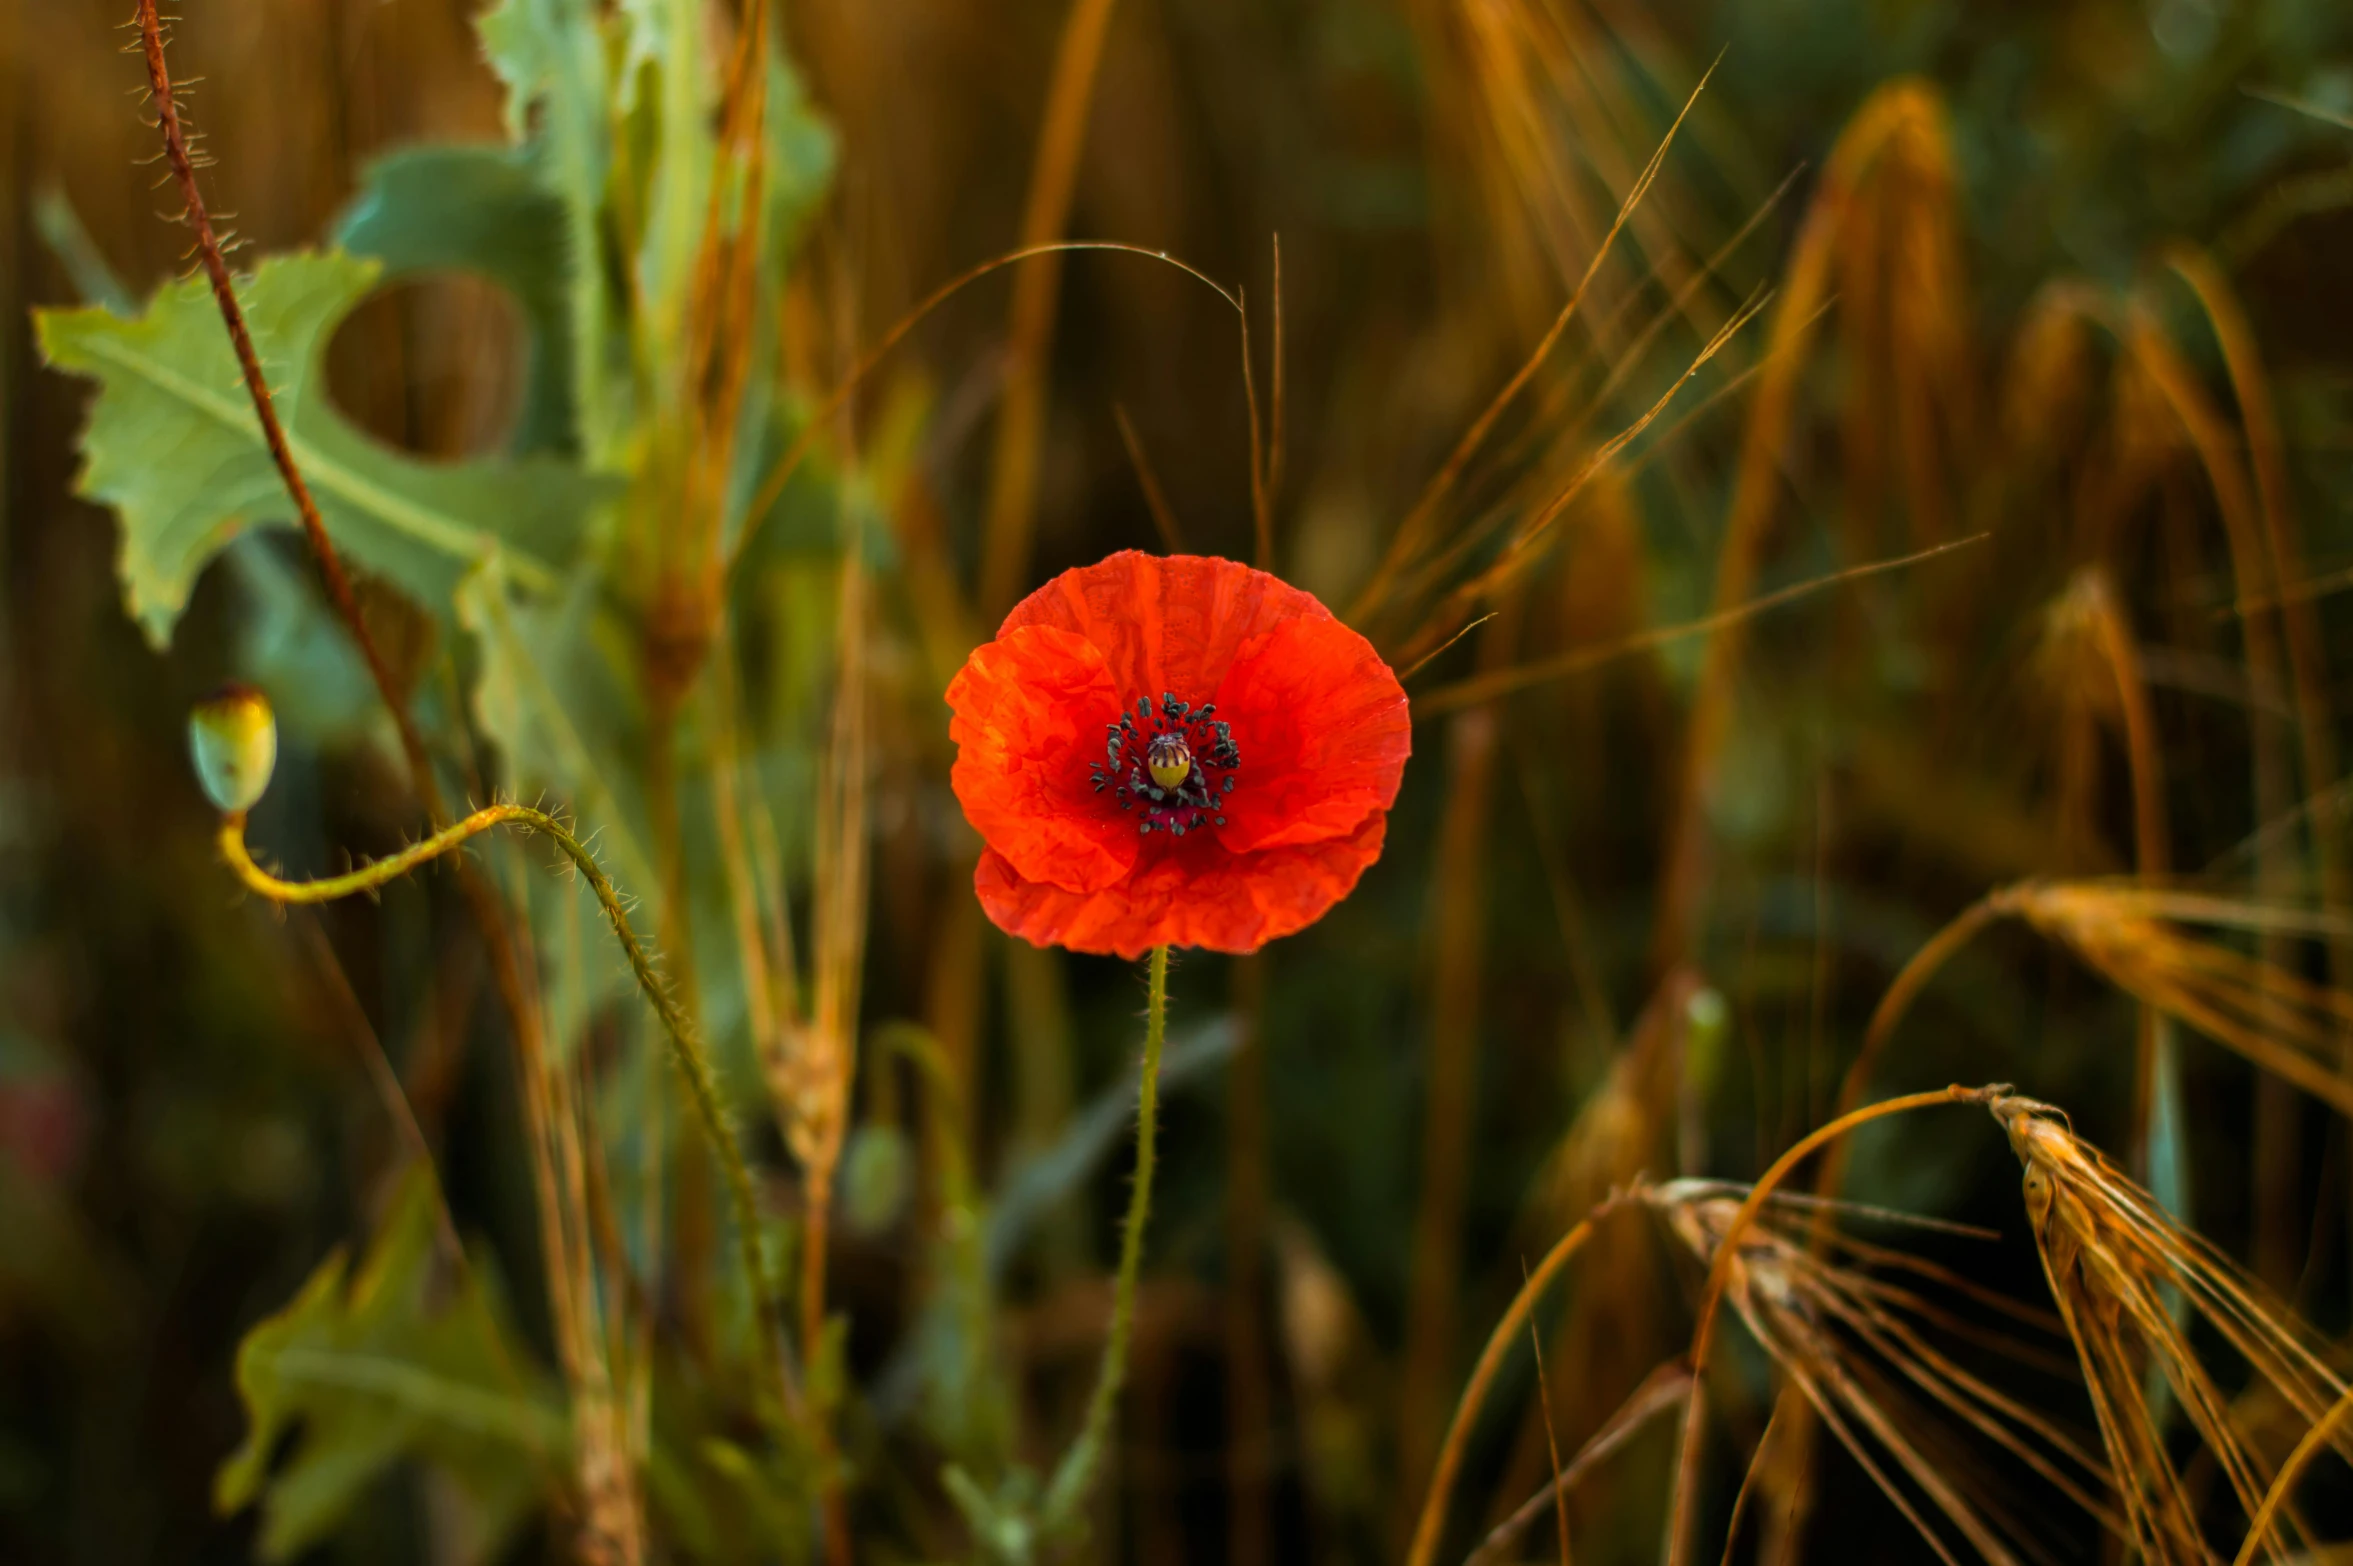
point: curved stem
(1908, 984)
(1687, 1467)
(1076, 1474)
(686, 1049)
(1906, 987)
(2289, 1472)
(1474, 1392)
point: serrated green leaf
(174, 447)
(484, 210)
(398, 1362)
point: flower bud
(233, 736)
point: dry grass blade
(2287, 1025)
(2114, 1260)
(2093, 666)
(1013, 472)
(1529, 539)
(1433, 1515)
(1660, 1391)
(1459, 893)
(1414, 532)
(1503, 682)
(1888, 132)
(1860, 1350)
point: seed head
(233, 736)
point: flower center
(1169, 759)
(1176, 763)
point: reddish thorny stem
(216, 269)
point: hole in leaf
(433, 365)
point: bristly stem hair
(686, 1048)
(257, 387)
(1075, 1476)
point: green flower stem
(1075, 1476)
(686, 1048)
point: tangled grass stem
(686, 1048)
(1075, 1476)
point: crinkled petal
(1194, 892)
(1030, 714)
(1165, 623)
(1323, 731)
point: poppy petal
(1165, 623)
(1192, 893)
(1323, 731)
(1030, 711)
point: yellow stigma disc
(1168, 760)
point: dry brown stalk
(1549, 503)
(1897, 117)
(1424, 1545)
(1459, 900)
(1860, 1350)
(1414, 533)
(2096, 669)
(1013, 469)
(2275, 1143)
(821, 422)
(1487, 686)
(1249, 1417)
(1621, 1131)
(1663, 1389)
(2116, 1262)
(2306, 654)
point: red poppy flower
(1173, 751)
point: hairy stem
(1076, 1475)
(686, 1048)
(257, 387)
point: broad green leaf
(401, 1361)
(484, 210)
(174, 447)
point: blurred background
(2067, 280)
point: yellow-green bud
(233, 735)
